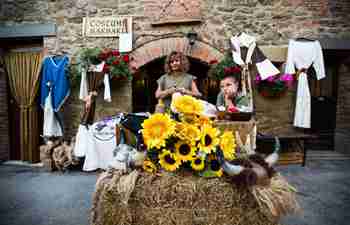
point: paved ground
(32, 197)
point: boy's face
(229, 86)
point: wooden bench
(297, 138)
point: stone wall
(4, 126)
(272, 22)
(342, 131)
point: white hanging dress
(302, 55)
(52, 127)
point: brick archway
(162, 47)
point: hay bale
(175, 200)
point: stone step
(326, 155)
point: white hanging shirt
(304, 54)
(253, 55)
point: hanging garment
(245, 51)
(85, 84)
(52, 127)
(90, 81)
(302, 55)
(55, 71)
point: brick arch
(162, 47)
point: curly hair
(185, 64)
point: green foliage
(116, 63)
(226, 67)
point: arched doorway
(149, 59)
(145, 83)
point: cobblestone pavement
(32, 197)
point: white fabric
(266, 69)
(96, 144)
(83, 85)
(246, 41)
(100, 153)
(302, 55)
(302, 116)
(51, 125)
(82, 141)
(107, 92)
(97, 68)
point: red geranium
(115, 53)
(116, 63)
(126, 58)
(106, 68)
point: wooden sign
(106, 26)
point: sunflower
(169, 160)
(204, 120)
(149, 166)
(228, 145)
(190, 118)
(197, 163)
(157, 129)
(216, 168)
(184, 151)
(209, 139)
(188, 132)
(187, 104)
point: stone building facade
(273, 23)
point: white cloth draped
(265, 67)
(82, 141)
(302, 55)
(302, 116)
(52, 127)
(83, 86)
(96, 144)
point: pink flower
(271, 79)
(257, 79)
(115, 62)
(288, 79)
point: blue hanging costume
(55, 89)
(54, 71)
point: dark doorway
(324, 100)
(145, 83)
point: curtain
(23, 69)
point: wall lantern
(192, 37)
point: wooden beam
(28, 30)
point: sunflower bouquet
(186, 141)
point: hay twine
(141, 198)
(278, 199)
